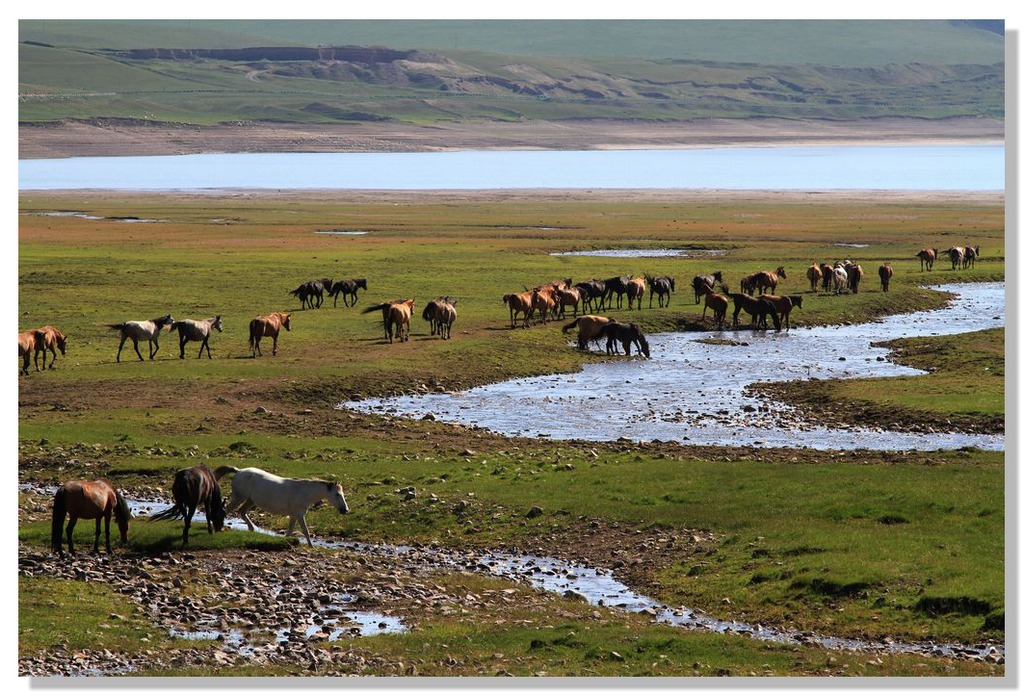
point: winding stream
(695, 392)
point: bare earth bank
(113, 137)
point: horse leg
(135, 344)
(205, 344)
(119, 347)
(106, 529)
(274, 351)
(72, 520)
(305, 529)
(181, 346)
(256, 347)
(190, 511)
(152, 351)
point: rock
(261, 409)
(574, 595)
(535, 511)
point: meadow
(853, 543)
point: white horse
(142, 331)
(839, 278)
(191, 330)
(254, 487)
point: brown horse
(269, 325)
(763, 280)
(827, 273)
(927, 257)
(573, 297)
(589, 326)
(53, 340)
(397, 316)
(718, 304)
(970, 253)
(441, 314)
(519, 303)
(814, 275)
(543, 301)
(854, 274)
(191, 489)
(28, 344)
(88, 500)
(784, 304)
(885, 275)
(757, 307)
(636, 288)
(709, 280)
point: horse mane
(122, 511)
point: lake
(978, 167)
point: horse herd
(192, 489)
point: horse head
(781, 272)
(336, 496)
(217, 324)
(62, 342)
(286, 322)
(123, 515)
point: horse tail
(375, 307)
(60, 509)
(174, 512)
(115, 327)
(569, 327)
(222, 471)
(252, 335)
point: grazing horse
(28, 344)
(885, 275)
(854, 274)
(574, 297)
(615, 286)
(784, 304)
(592, 291)
(839, 278)
(252, 488)
(970, 253)
(757, 307)
(814, 275)
(826, 276)
(88, 500)
(441, 314)
(519, 303)
(312, 289)
(191, 489)
(706, 280)
(53, 340)
(142, 330)
(763, 280)
(397, 316)
(589, 326)
(718, 304)
(269, 325)
(956, 256)
(627, 335)
(191, 330)
(927, 257)
(346, 288)
(663, 287)
(635, 289)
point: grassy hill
(429, 71)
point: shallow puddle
(643, 253)
(695, 391)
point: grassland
(850, 543)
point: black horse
(757, 307)
(627, 335)
(592, 291)
(191, 489)
(346, 288)
(312, 290)
(699, 282)
(663, 287)
(616, 286)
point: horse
(854, 274)
(346, 288)
(519, 303)
(635, 289)
(142, 330)
(191, 489)
(627, 335)
(88, 500)
(573, 296)
(589, 326)
(28, 345)
(191, 330)
(591, 291)
(312, 289)
(784, 304)
(616, 286)
(269, 325)
(757, 307)
(970, 253)
(956, 256)
(441, 314)
(763, 280)
(839, 278)
(542, 301)
(252, 487)
(747, 284)
(52, 340)
(927, 257)
(718, 304)
(814, 275)
(663, 287)
(826, 276)
(396, 315)
(885, 275)
(709, 280)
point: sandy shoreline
(108, 138)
